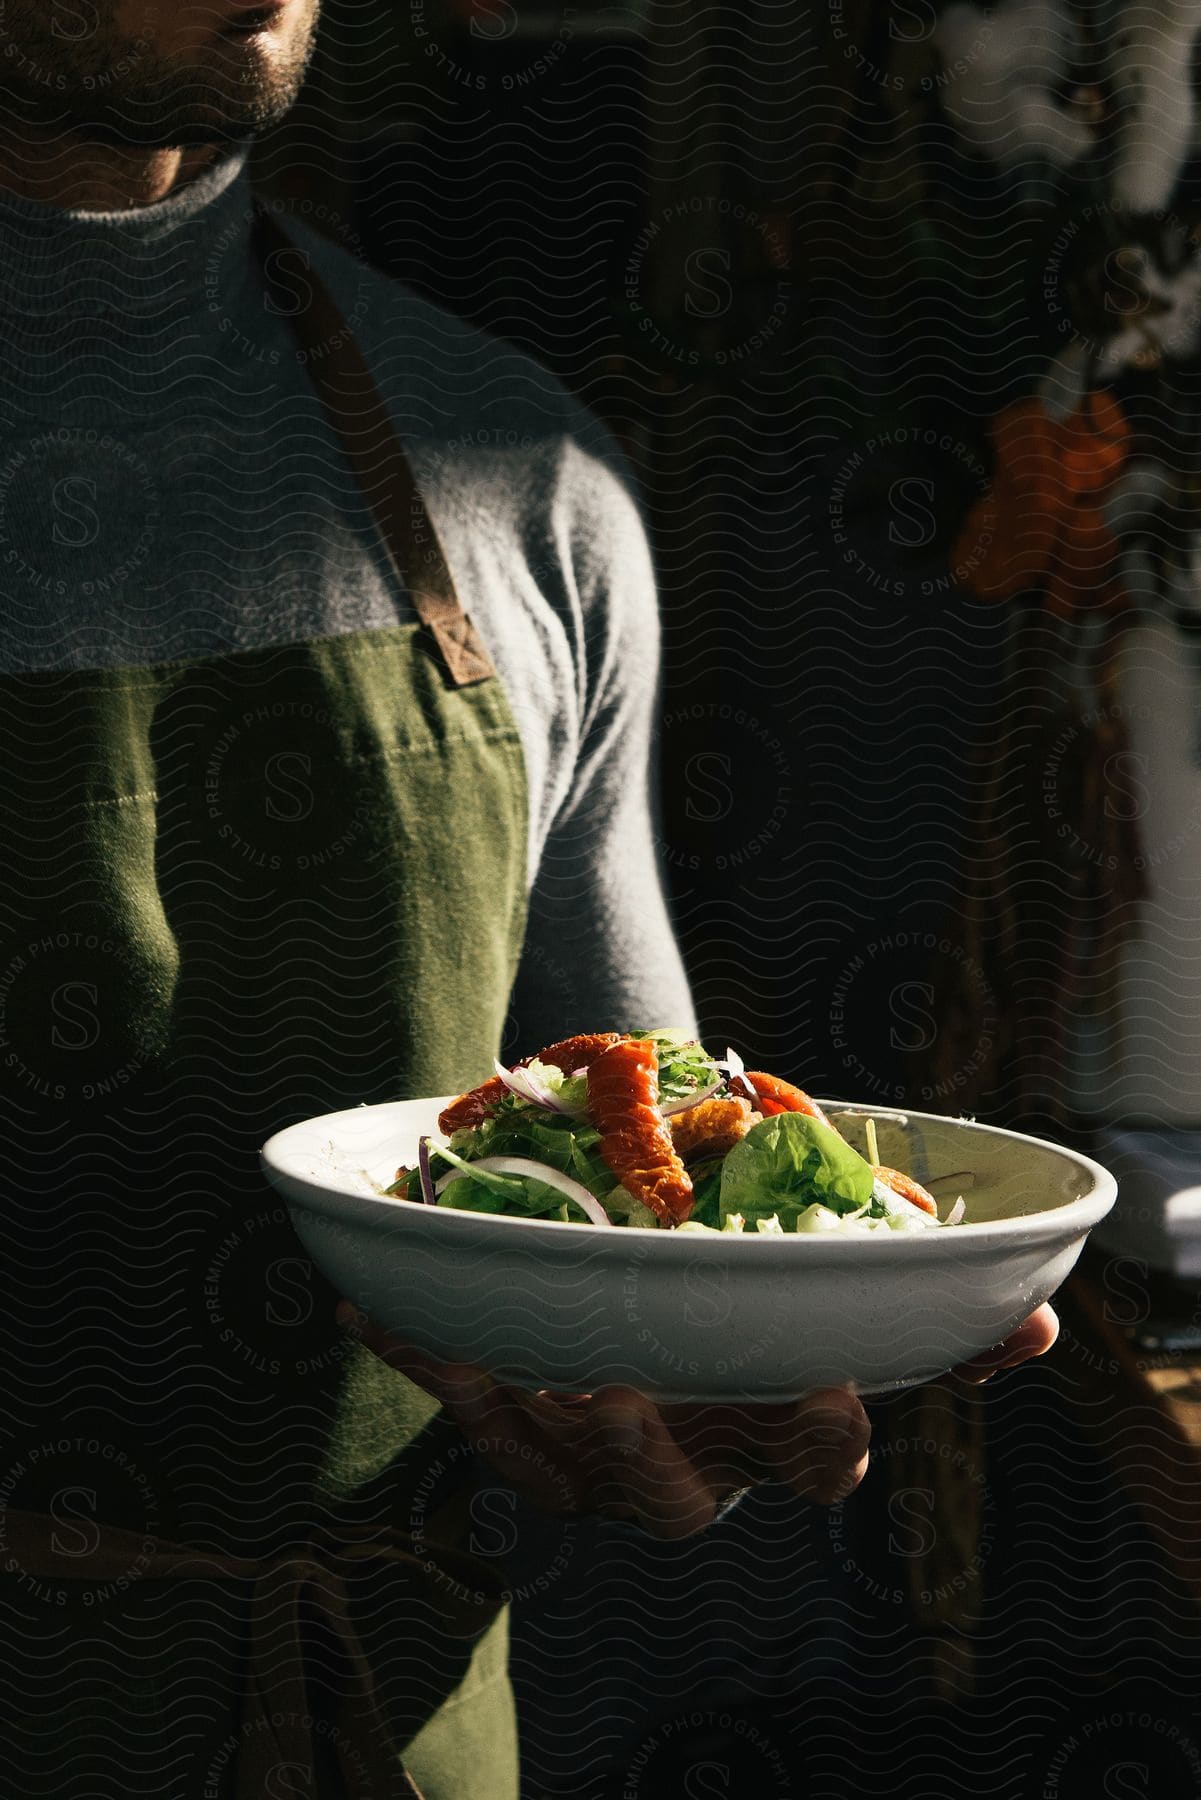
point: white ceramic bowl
(576, 1307)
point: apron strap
(359, 417)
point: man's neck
(81, 175)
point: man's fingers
(819, 1445)
(726, 1441)
(632, 1459)
(615, 1451)
(1033, 1337)
(841, 1482)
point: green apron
(239, 892)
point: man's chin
(181, 130)
(231, 93)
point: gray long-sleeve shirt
(169, 488)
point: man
(284, 831)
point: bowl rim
(1065, 1220)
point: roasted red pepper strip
(623, 1102)
(907, 1187)
(569, 1054)
(771, 1095)
(471, 1107)
(574, 1053)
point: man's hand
(667, 1467)
(1033, 1337)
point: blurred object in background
(1082, 893)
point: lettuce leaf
(570, 1090)
(790, 1162)
(734, 1222)
(623, 1209)
(685, 1067)
(570, 1145)
(706, 1191)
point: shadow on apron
(242, 891)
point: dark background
(710, 222)
(653, 200)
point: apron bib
(238, 892)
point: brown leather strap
(359, 416)
(289, 1592)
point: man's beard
(115, 88)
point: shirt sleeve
(599, 949)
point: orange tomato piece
(907, 1187)
(772, 1095)
(623, 1101)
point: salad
(645, 1128)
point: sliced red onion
(671, 1107)
(956, 1213)
(536, 1171)
(736, 1069)
(522, 1083)
(889, 1197)
(423, 1170)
